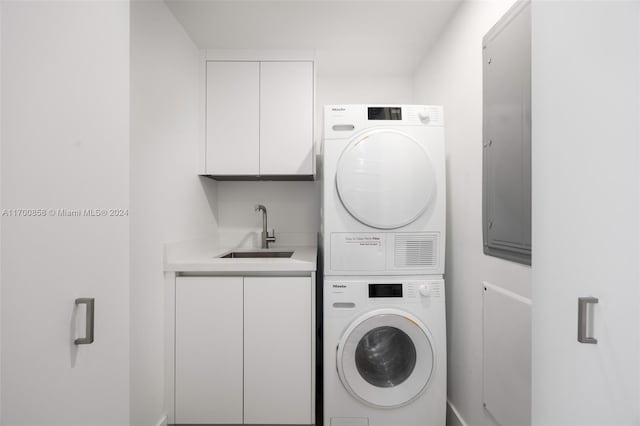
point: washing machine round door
(385, 179)
(385, 358)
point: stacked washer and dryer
(383, 246)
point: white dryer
(384, 351)
(383, 197)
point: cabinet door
(587, 217)
(68, 118)
(233, 118)
(286, 118)
(208, 384)
(507, 137)
(277, 356)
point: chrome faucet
(266, 238)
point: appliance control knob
(425, 291)
(424, 115)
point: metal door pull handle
(88, 338)
(584, 316)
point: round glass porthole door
(385, 179)
(385, 358)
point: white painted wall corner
(162, 421)
(454, 418)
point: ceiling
(349, 37)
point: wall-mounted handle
(88, 338)
(585, 317)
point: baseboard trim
(162, 421)
(459, 420)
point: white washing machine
(384, 351)
(383, 197)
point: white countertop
(205, 256)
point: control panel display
(384, 113)
(385, 290)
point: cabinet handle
(88, 338)
(584, 316)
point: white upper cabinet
(233, 118)
(259, 119)
(286, 118)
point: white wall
(65, 145)
(294, 207)
(585, 148)
(451, 75)
(169, 202)
(293, 211)
(0, 199)
(369, 90)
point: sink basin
(257, 254)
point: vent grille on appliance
(435, 290)
(416, 250)
(412, 291)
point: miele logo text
(339, 286)
(338, 109)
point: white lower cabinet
(277, 350)
(208, 360)
(243, 350)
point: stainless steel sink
(256, 254)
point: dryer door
(385, 179)
(385, 358)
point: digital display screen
(385, 113)
(385, 290)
